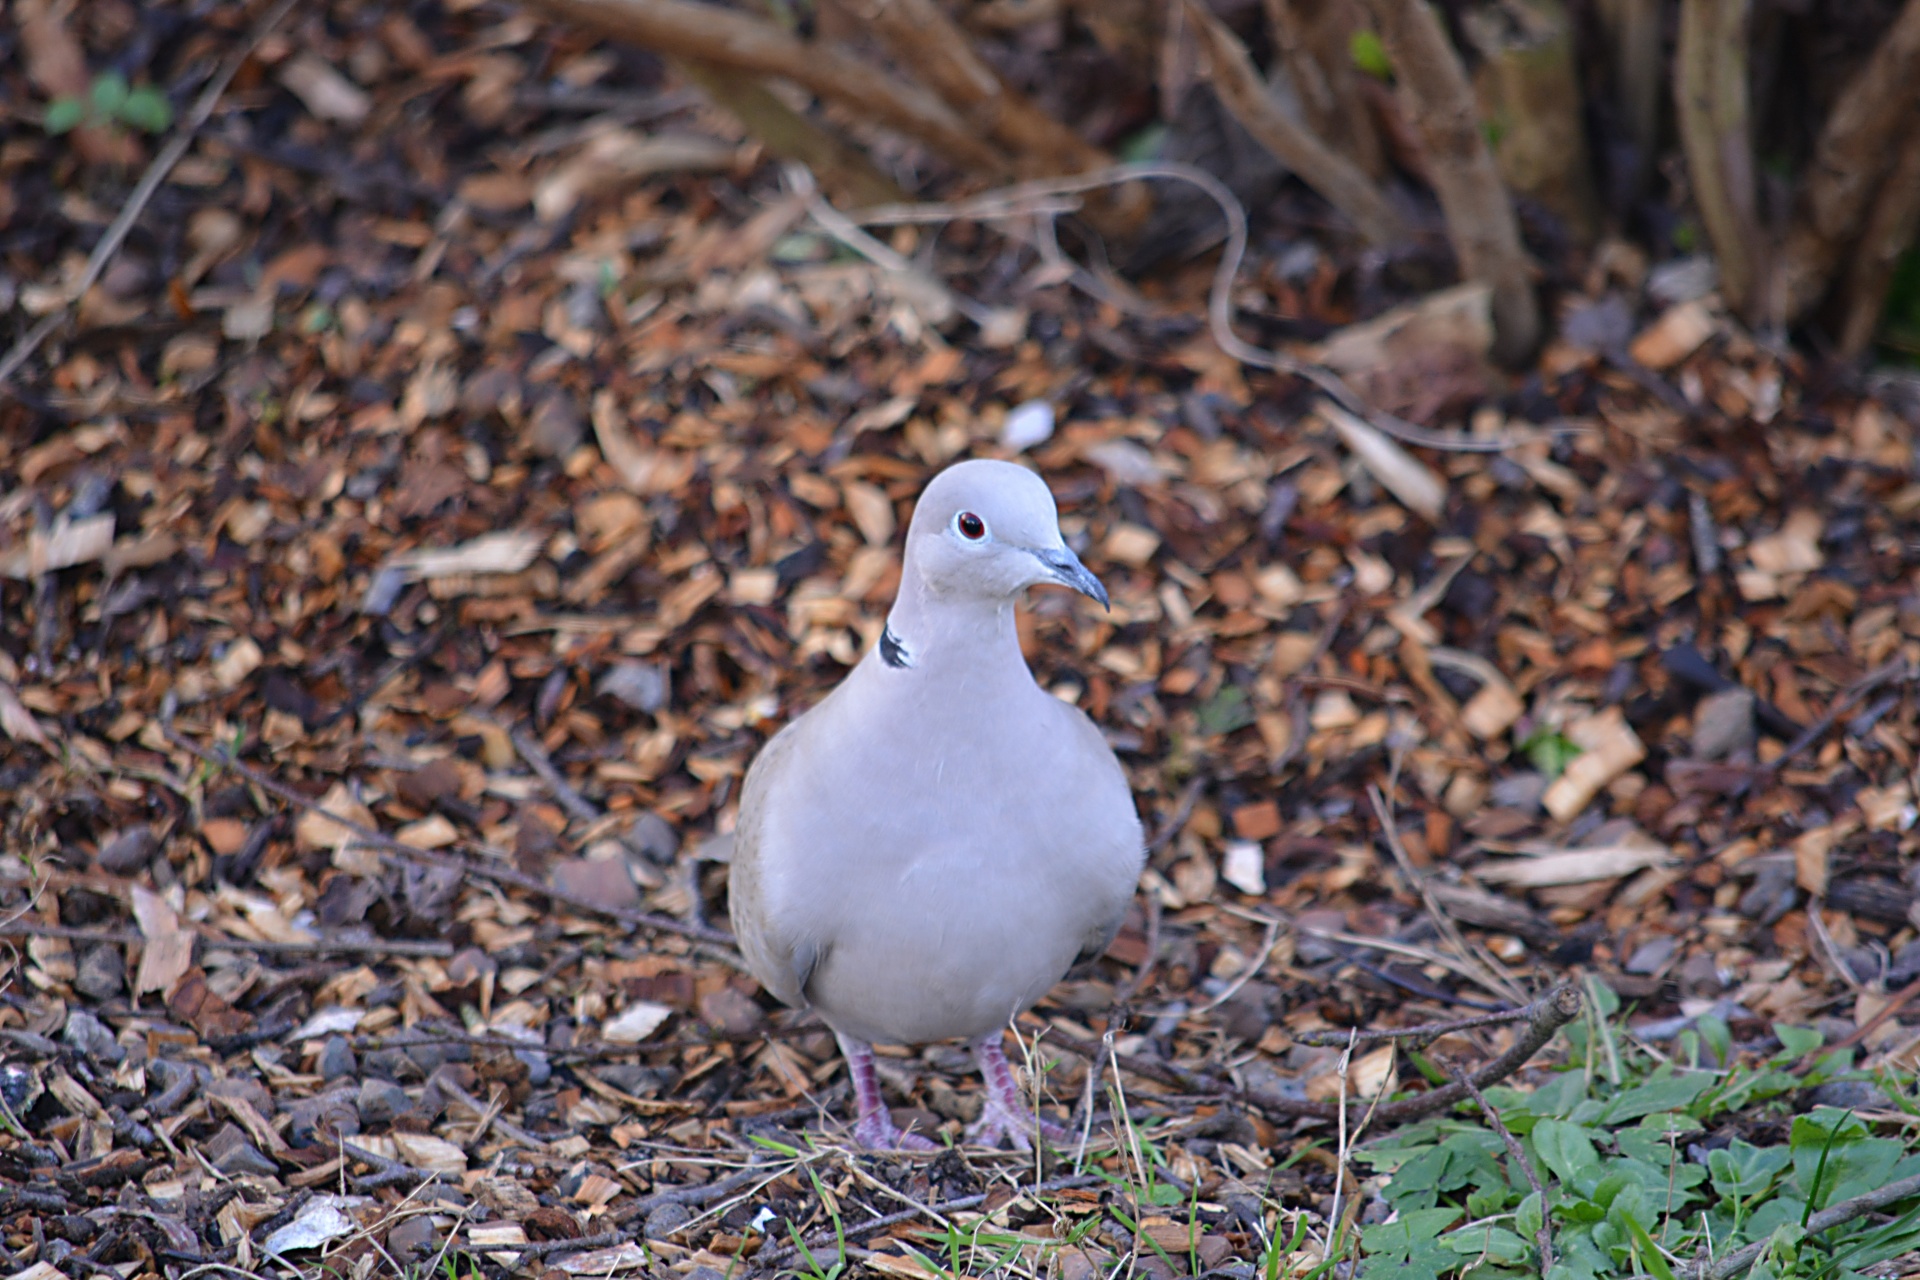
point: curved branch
(727, 38)
(1480, 222)
(1243, 94)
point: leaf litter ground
(491, 467)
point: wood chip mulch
(432, 509)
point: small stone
(539, 1067)
(652, 837)
(602, 880)
(1652, 957)
(643, 686)
(324, 1117)
(732, 1011)
(231, 1153)
(553, 429)
(103, 972)
(379, 1101)
(92, 1037)
(1851, 1095)
(412, 1239)
(336, 1059)
(666, 1219)
(1723, 725)
(1521, 791)
(128, 852)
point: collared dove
(924, 854)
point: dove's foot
(873, 1128)
(1004, 1117)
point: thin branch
(150, 181)
(1710, 96)
(1480, 221)
(1244, 94)
(1739, 1260)
(1544, 1236)
(219, 942)
(729, 38)
(1027, 198)
(1891, 225)
(502, 874)
(1857, 145)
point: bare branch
(1857, 147)
(1245, 95)
(1480, 221)
(841, 167)
(684, 29)
(1890, 229)
(1710, 94)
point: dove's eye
(971, 526)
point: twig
(1739, 1260)
(1426, 1033)
(501, 875)
(150, 181)
(1480, 223)
(872, 1225)
(731, 38)
(1024, 199)
(1244, 93)
(1866, 684)
(847, 232)
(219, 942)
(1895, 1003)
(1542, 1237)
(537, 760)
(1544, 1017)
(1486, 977)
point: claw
(1005, 1117)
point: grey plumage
(926, 852)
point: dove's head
(988, 530)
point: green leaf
(1226, 711)
(1550, 751)
(1650, 1257)
(147, 108)
(1564, 1148)
(109, 94)
(1719, 1037)
(1529, 1216)
(1398, 1237)
(1369, 55)
(1667, 1090)
(64, 114)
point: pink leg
(873, 1128)
(1005, 1115)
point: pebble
(103, 973)
(90, 1036)
(380, 1101)
(336, 1059)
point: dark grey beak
(1069, 572)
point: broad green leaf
(147, 108)
(65, 114)
(109, 94)
(1564, 1148)
(1667, 1090)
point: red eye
(971, 526)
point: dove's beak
(1066, 569)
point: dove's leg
(873, 1128)
(1005, 1115)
